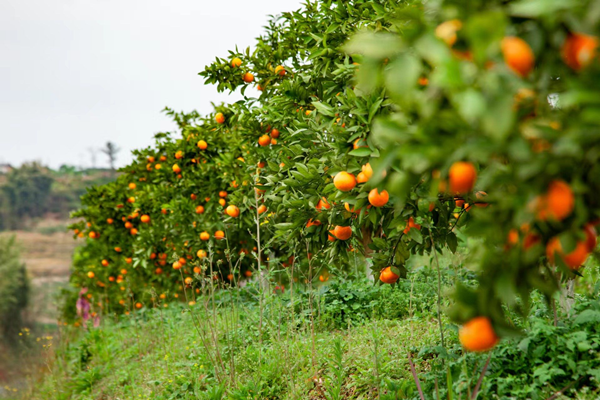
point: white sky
(75, 74)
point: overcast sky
(75, 74)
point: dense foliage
(454, 111)
(14, 289)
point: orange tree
(495, 126)
(273, 158)
(449, 114)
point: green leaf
(588, 316)
(415, 234)
(452, 241)
(374, 45)
(324, 108)
(360, 152)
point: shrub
(14, 289)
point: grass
(159, 355)
(347, 339)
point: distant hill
(33, 192)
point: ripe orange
(201, 253)
(262, 208)
(151, 159)
(222, 202)
(93, 235)
(579, 50)
(248, 77)
(222, 193)
(128, 260)
(480, 195)
(411, 224)
(560, 200)
(342, 232)
(264, 140)
(513, 237)
(344, 181)
(236, 62)
(358, 143)
(274, 142)
(258, 87)
(261, 164)
(163, 158)
(517, 55)
(367, 170)
(176, 265)
(388, 276)
(447, 31)
(462, 177)
(91, 274)
(202, 145)
(574, 259)
(111, 278)
(478, 334)
(152, 256)
(145, 218)
(197, 270)
(352, 210)
(132, 186)
(133, 231)
(179, 154)
(230, 277)
(204, 236)
(274, 133)
(312, 223)
(591, 237)
(109, 221)
(128, 225)
(280, 70)
(118, 249)
(199, 210)
(157, 166)
(138, 305)
(220, 118)
(361, 178)
(176, 168)
(188, 280)
(219, 235)
(248, 273)
(530, 239)
(232, 211)
(378, 199)
(323, 203)
(131, 200)
(104, 263)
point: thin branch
(415, 377)
(483, 371)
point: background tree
(14, 289)
(24, 194)
(111, 151)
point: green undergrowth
(342, 340)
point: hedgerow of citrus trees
(274, 156)
(463, 135)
